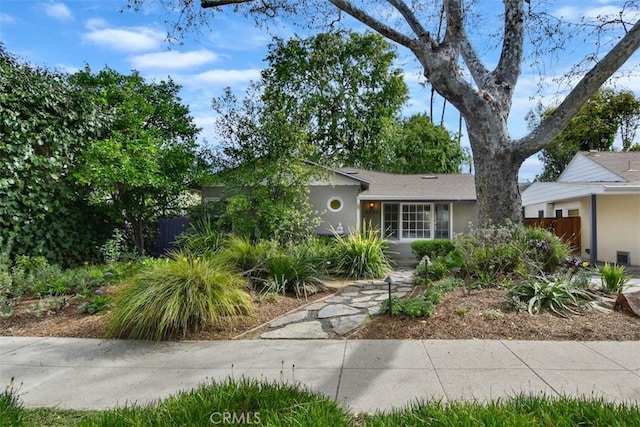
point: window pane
(416, 221)
(391, 220)
(443, 219)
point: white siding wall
(583, 169)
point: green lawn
(248, 402)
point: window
(573, 212)
(443, 222)
(558, 213)
(416, 221)
(391, 220)
(335, 204)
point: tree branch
(455, 18)
(410, 18)
(551, 126)
(373, 23)
(510, 64)
(477, 69)
(216, 3)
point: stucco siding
(464, 214)
(618, 227)
(320, 195)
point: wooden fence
(567, 228)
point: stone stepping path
(341, 313)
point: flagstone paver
(340, 313)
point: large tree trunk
(496, 164)
(497, 187)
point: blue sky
(69, 34)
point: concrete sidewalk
(364, 376)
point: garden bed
(484, 315)
(481, 315)
(69, 321)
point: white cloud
(131, 39)
(58, 11)
(227, 77)
(6, 19)
(575, 14)
(173, 60)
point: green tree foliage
(423, 147)
(339, 92)
(138, 167)
(333, 99)
(594, 127)
(45, 123)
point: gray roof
(434, 187)
(624, 164)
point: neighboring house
(404, 207)
(603, 188)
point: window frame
(332, 199)
(397, 233)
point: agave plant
(555, 294)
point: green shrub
(296, 269)
(434, 294)
(246, 257)
(36, 277)
(418, 307)
(96, 304)
(361, 254)
(556, 295)
(546, 250)
(201, 238)
(432, 248)
(396, 306)
(178, 296)
(412, 307)
(612, 278)
(491, 254)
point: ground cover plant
(247, 401)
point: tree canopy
(422, 147)
(480, 87)
(333, 98)
(147, 158)
(594, 127)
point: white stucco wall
(618, 227)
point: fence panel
(567, 228)
(168, 231)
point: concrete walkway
(363, 376)
(338, 315)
